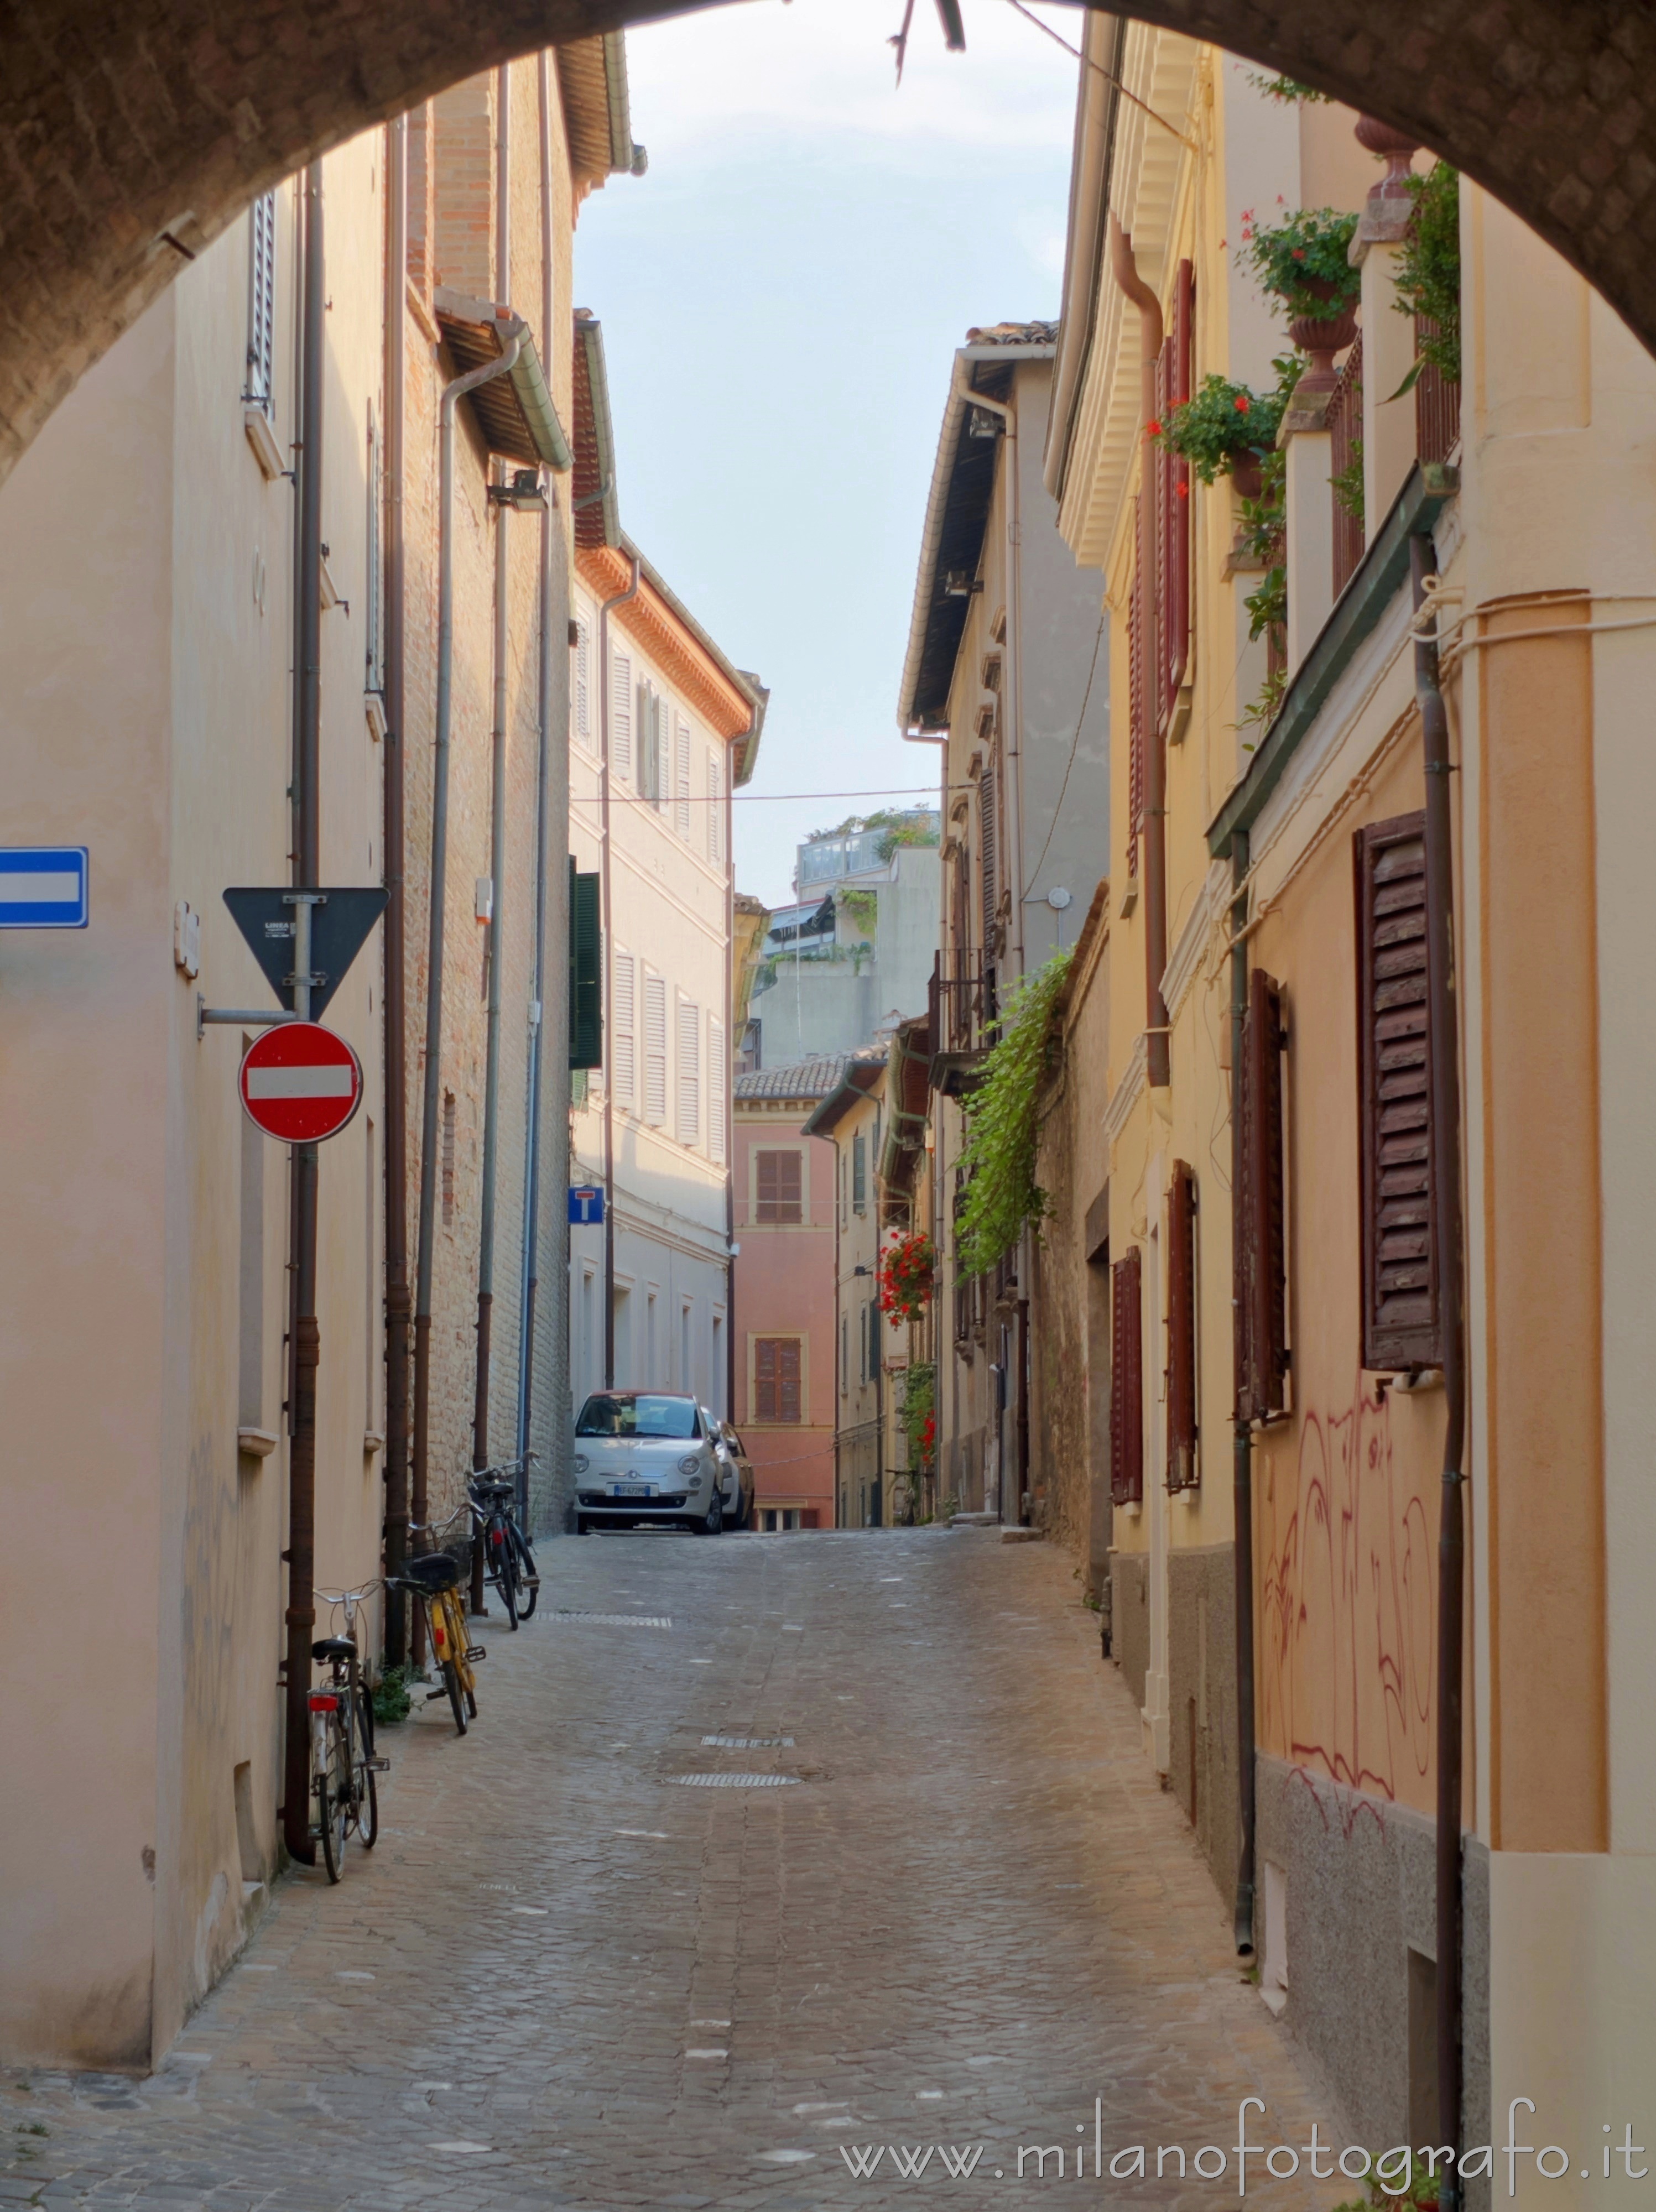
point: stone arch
(131, 131)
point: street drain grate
(615, 1620)
(750, 1742)
(734, 1781)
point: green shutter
(585, 972)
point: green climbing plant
(1428, 272)
(1003, 1129)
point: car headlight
(581, 1463)
(690, 1464)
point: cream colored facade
(1538, 530)
(146, 641)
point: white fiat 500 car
(643, 1457)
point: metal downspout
(432, 1098)
(1126, 277)
(494, 946)
(399, 1304)
(549, 1032)
(723, 1077)
(1443, 1031)
(1242, 1437)
(605, 677)
(300, 1612)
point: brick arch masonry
(132, 130)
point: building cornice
(657, 627)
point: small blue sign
(586, 1204)
(43, 887)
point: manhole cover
(750, 1742)
(615, 1620)
(735, 1781)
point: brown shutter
(1126, 1382)
(1261, 1243)
(1181, 1329)
(776, 1378)
(1401, 1311)
(989, 827)
(778, 1187)
(787, 1378)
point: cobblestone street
(565, 1979)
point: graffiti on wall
(1347, 1600)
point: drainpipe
(603, 680)
(494, 943)
(1443, 1030)
(431, 1101)
(1242, 1436)
(723, 1077)
(399, 1304)
(550, 1023)
(1126, 277)
(300, 1614)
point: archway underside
(132, 130)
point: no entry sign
(300, 1083)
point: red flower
(1154, 428)
(1242, 403)
(1298, 253)
(1183, 490)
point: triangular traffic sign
(340, 928)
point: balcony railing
(961, 1002)
(1437, 405)
(1345, 423)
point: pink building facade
(784, 1291)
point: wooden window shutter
(716, 810)
(681, 774)
(655, 1048)
(1126, 1381)
(584, 656)
(1261, 1238)
(776, 1365)
(989, 837)
(1136, 611)
(718, 1078)
(859, 1173)
(586, 971)
(623, 1032)
(1181, 1330)
(778, 1186)
(261, 300)
(621, 715)
(688, 1121)
(1402, 1303)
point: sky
(781, 297)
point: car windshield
(634, 1413)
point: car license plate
(631, 1490)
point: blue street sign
(586, 1204)
(43, 887)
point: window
(1181, 1329)
(623, 1045)
(777, 1361)
(261, 300)
(681, 775)
(716, 810)
(621, 715)
(448, 1159)
(718, 1078)
(1261, 1288)
(688, 1127)
(859, 1173)
(653, 715)
(655, 1048)
(987, 843)
(583, 684)
(778, 1186)
(1401, 1299)
(375, 625)
(1127, 1382)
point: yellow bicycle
(435, 1580)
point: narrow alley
(956, 1911)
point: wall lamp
(521, 492)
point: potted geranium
(906, 1269)
(1223, 429)
(1304, 262)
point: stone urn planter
(1320, 337)
(1397, 148)
(1246, 476)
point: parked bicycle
(342, 1760)
(433, 1578)
(508, 1562)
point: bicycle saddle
(434, 1571)
(333, 1647)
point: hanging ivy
(1003, 1129)
(1428, 272)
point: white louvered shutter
(655, 1048)
(621, 715)
(689, 1125)
(681, 775)
(583, 685)
(623, 1034)
(261, 300)
(718, 1081)
(716, 810)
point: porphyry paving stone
(975, 1923)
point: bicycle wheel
(506, 1576)
(451, 1682)
(333, 1802)
(367, 1796)
(528, 1574)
